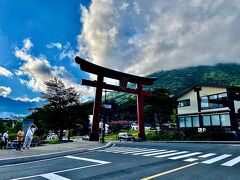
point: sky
(40, 39)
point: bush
(12, 136)
(36, 138)
(165, 136)
(53, 141)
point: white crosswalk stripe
(232, 162)
(190, 160)
(175, 155)
(164, 152)
(148, 152)
(207, 155)
(52, 176)
(213, 160)
(171, 154)
(185, 155)
(126, 150)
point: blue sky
(40, 38)
(43, 23)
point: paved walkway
(46, 151)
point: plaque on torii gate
(123, 79)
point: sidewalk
(45, 151)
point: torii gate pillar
(94, 134)
(123, 78)
(140, 111)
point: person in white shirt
(29, 136)
(5, 139)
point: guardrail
(13, 144)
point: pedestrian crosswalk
(227, 160)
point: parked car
(85, 137)
(125, 137)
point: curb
(201, 142)
(25, 159)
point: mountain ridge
(11, 106)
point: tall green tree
(59, 111)
(159, 107)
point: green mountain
(179, 79)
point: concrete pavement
(46, 151)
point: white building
(209, 106)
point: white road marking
(126, 150)
(121, 151)
(87, 159)
(232, 162)
(66, 170)
(73, 169)
(164, 152)
(172, 154)
(213, 160)
(52, 176)
(185, 155)
(207, 155)
(190, 159)
(148, 152)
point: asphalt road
(137, 161)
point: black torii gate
(124, 79)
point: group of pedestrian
(20, 137)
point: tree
(159, 106)
(59, 111)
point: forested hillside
(177, 80)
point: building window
(225, 120)
(214, 101)
(215, 120)
(184, 103)
(181, 122)
(204, 102)
(188, 122)
(195, 121)
(206, 121)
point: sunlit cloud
(38, 70)
(26, 99)
(4, 91)
(160, 35)
(5, 72)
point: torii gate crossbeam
(124, 79)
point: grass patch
(53, 141)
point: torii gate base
(123, 78)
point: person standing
(5, 139)
(20, 136)
(29, 136)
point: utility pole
(105, 107)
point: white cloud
(68, 52)
(38, 70)
(18, 73)
(27, 43)
(52, 45)
(4, 91)
(26, 99)
(160, 35)
(124, 6)
(5, 72)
